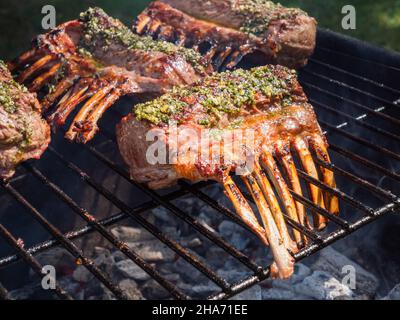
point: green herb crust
(222, 94)
(10, 97)
(98, 26)
(7, 91)
(258, 14)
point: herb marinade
(7, 98)
(258, 14)
(97, 27)
(9, 91)
(222, 93)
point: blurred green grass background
(377, 21)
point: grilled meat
(23, 133)
(256, 118)
(227, 30)
(97, 59)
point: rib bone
(328, 177)
(284, 261)
(280, 186)
(269, 195)
(242, 207)
(315, 193)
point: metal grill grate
(352, 94)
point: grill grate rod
(213, 203)
(358, 120)
(350, 200)
(123, 247)
(354, 76)
(386, 194)
(315, 237)
(376, 112)
(347, 86)
(333, 237)
(47, 245)
(369, 62)
(31, 261)
(213, 237)
(179, 213)
(67, 244)
(361, 141)
(364, 162)
(175, 246)
(323, 212)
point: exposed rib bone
(166, 33)
(284, 261)
(154, 26)
(315, 193)
(218, 61)
(282, 189)
(40, 81)
(63, 111)
(293, 179)
(142, 24)
(96, 114)
(180, 39)
(233, 60)
(35, 67)
(273, 203)
(61, 88)
(22, 59)
(328, 177)
(86, 109)
(243, 208)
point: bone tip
(282, 273)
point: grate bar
(352, 201)
(242, 285)
(179, 213)
(123, 247)
(369, 62)
(309, 204)
(360, 140)
(347, 86)
(362, 182)
(376, 112)
(31, 261)
(354, 76)
(213, 204)
(308, 233)
(365, 162)
(359, 120)
(69, 245)
(47, 245)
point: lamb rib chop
(257, 118)
(97, 59)
(227, 30)
(23, 133)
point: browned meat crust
(23, 133)
(232, 29)
(97, 59)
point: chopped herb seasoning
(220, 94)
(258, 14)
(102, 30)
(8, 89)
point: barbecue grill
(354, 89)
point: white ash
(394, 294)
